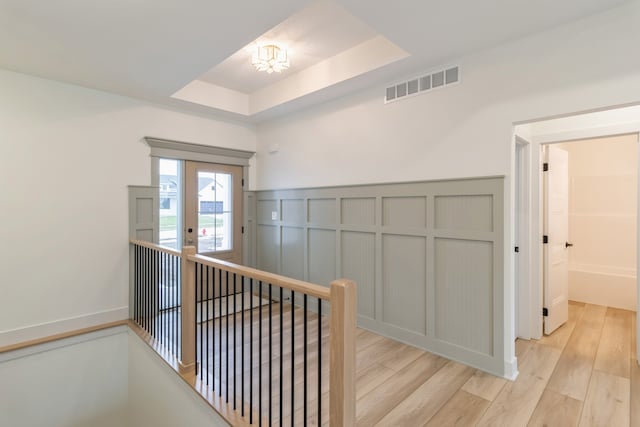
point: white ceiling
(317, 32)
(152, 48)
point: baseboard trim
(38, 332)
(511, 369)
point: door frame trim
(534, 287)
(522, 238)
(182, 151)
(171, 149)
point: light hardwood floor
(582, 375)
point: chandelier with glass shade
(270, 58)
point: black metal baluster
(139, 282)
(206, 320)
(149, 293)
(220, 332)
(270, 356)
(136, 270)
(176, 318)
(154, 285)
(235, 372)
(227, 335)
(260, 357)
(213, 329)
(157, 300)
(250, 351)
(242, 347)
(195, 312)
(160, 298)
(305, 360)
(293, 357)
(199, 276)
(174, 307)
(144, 287)
(281, 353)
(144, 291)
(157, 297)
(156, 294)
(319, 361)
(167, 300)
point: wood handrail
(275, 279)
(295, 285)
(61, 336)
(155, 246)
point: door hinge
(517, 249)
(545, 167)
(243, 182)
(545, 239)
(545, 312)
(243, 229)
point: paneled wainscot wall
(427, 257)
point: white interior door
(556, 227)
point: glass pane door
(213, 210)
(215, 220)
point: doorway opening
(595, 185)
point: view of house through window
(170, 203)
(214, 211)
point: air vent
(422, 84)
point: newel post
(187, 363)
(342, 359)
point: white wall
(603, 176)
(67, 155)
(102, 379)
(159, 397)
(462, 130)
(81, 383)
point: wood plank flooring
(584, 374)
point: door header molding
(171, 149)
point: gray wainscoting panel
(293, 211)
(322, 211)
(358, 211)
(404, 211)
(427, 257)
(464, 212)
(359, 264)
(144, 210)
(265, 208)
(404, 282)
(464, 293)
(144, 219)
(322, 256)
(268, 247)
(292, 258)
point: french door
(213, 210)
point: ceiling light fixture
(270, 58)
